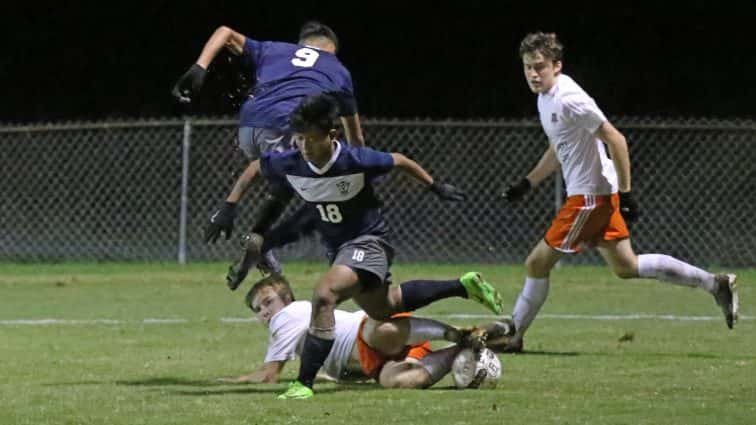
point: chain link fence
(143, 190)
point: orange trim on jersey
(372, 361)
(584, 220)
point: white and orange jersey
(570, 119)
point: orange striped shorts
(585, 220)
(372, 361)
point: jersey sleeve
(375, 163)
(285, 332)
(251, 51)
(583, 111)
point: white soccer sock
(427, 330)
(669, 269)
(528, 303)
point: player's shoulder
(571, 96)
(279, 46)
(357, 155)
(295, 312)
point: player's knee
(324, 299)
(536, 266)
(387, 338)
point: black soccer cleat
(237, 272)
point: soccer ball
(476, 371)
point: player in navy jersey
(283, 74)
(335, 180)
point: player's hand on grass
(516, 191)
(237, 379)
(221, 221)
(628, 207)
(189, 84)
(447, 192)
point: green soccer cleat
(483, 292)
(297, 391)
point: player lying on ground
(363, 348)
(599, 202)
(336, 182)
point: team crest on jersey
(343, 187)
(553, 117)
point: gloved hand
(447, 192)
(189, 84)
(628, 207)
(516, 191)
(221, 221)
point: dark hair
(546, 44)
(316, 29)
(275, 281)
(316, 112)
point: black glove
(221, 221)
(628, 207)
(189, 84)
(447, 192)
(516, 191)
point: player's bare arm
(444, 191)
(547, 165)
(268, 373)
(617, 146)
(412, 168)
(223, 37)
(353, 130)
(189, 85)
(243, 182)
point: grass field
(143, 344)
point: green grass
(135, 372)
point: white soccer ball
(476, 371)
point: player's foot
(251, 244)
(500, 334)
(296, 391)
(726, 296)
(483, 292)
(471, 337)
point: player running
(599, 200)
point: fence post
(184, 191)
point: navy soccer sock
(419, 293)
(314, 353)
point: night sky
(408, 59)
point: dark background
(63, 61)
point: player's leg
(419, 293)
(534, 292)
(254, 142)
(619, 255)
(406, 374)
(394, 336)
(421, 374)
(337, 285)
